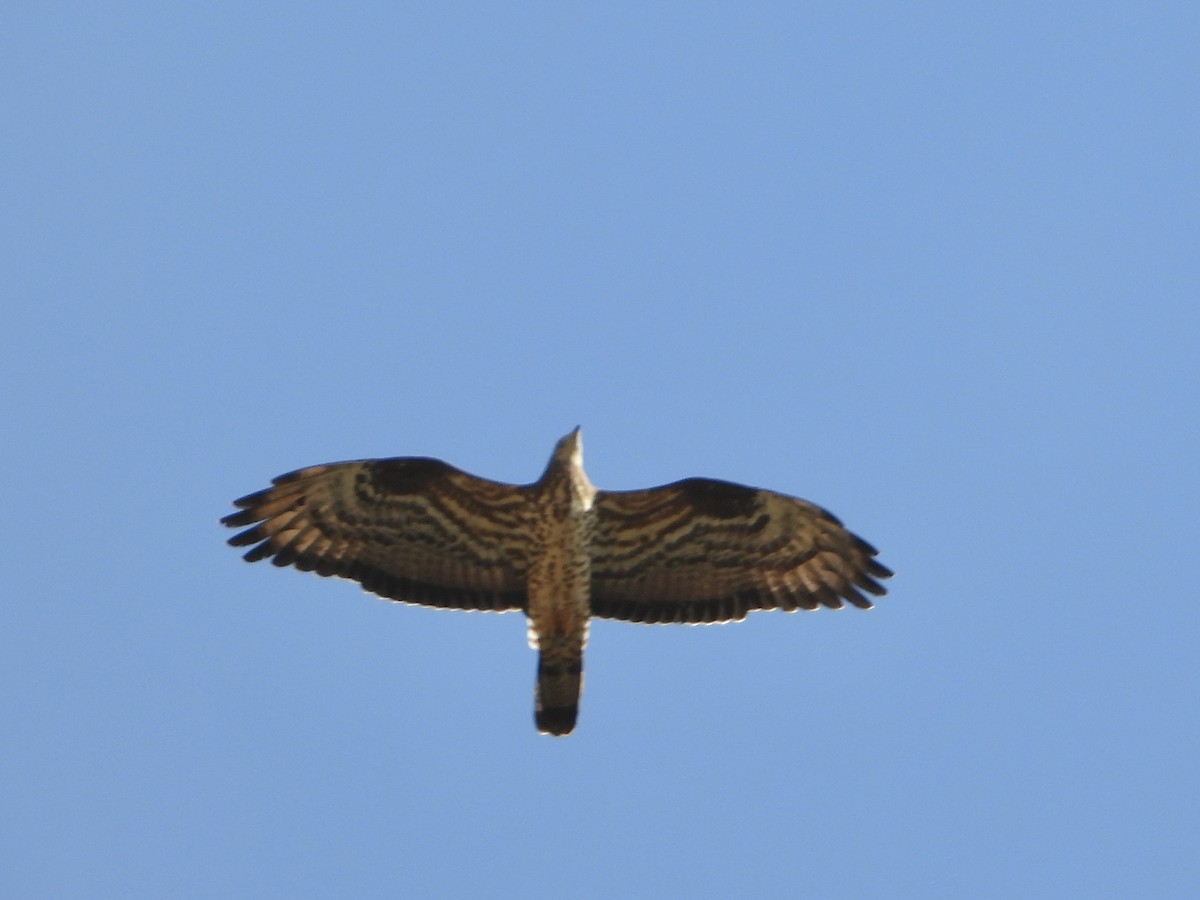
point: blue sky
(933, 266)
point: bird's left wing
(701, 550)
(411, 529)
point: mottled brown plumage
(421, 531)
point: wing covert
(702, 550)
(411, 529)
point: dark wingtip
(856, 598)
(240, 519)
(247, 537)
(252, 499)
(878, 569)
(869, 584)
(558, 721)
(262, 551)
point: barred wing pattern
(411, 529)
(702, 550)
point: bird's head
(565, 472)
(569, 450)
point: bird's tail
(559, 682)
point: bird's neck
(566, 484)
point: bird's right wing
(410, 529)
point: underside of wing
(700, 551)
(410, 529)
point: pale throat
(583, 492)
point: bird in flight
(418, 530)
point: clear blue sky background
(934, 266)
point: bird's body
(696, 551)
(558, 584)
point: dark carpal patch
(405, 476)
(719, 499)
